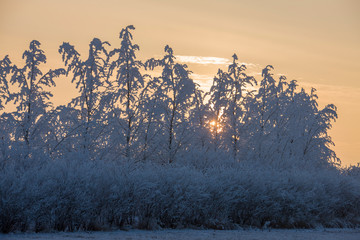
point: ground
(317, 234)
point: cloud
(205, 81)
(208, 60)
(202, 77)
(203, 60)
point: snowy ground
(323, 234)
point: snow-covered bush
(74, 194)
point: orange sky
(316, 42)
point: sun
(215, 126)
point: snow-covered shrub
(75, 194)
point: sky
(316, 42)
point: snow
(317, 234)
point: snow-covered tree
(5, 69)
(151, 125)
(89, 77)
(216, 104)
(5, 137)
(124, 91)
(262, 114)
(66, 127)
(238, 83)
(199, 118)
(32, 100)
(311, 141)
(228, 94)
(283, 124)
(177, 98)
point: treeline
(123, 112)
(142, 146)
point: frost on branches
(142, 145)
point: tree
(32, 101)
(265, 108)
(217, 103)
(238, 91)
(177, 98)
(151, 124)
(89, 76)
(286, 126)
(227, 103)
(5, 69)
(127, 84)
(198, 119)
(312, 142)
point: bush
(75, 194)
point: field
(317, 234)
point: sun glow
(215, 126)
